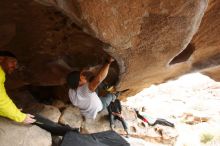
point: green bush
(206, 137)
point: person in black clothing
(155, 121)
(114, 110)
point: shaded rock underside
(152, 41)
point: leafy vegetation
(206, 137)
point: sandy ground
(189, 99)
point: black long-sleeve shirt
(115, 106)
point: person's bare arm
(116, 114)
(100, 76)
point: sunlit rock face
(152, 41)
(207, 44)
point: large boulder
(14, 134)
(152, 41)
(51, 112)
(47, 43)
(207, 44)
(144, 36)
(71, 116)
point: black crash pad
(106, 138)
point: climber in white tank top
(88, 101)
(82, 92)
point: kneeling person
(114, 110)
(8, 63)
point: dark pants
(52, 127)
(162, 122)
(113, 118)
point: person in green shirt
(8, 63)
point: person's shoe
(173, 126)
(127, 134)
(112, 127)
(117, 94)
(76, 130)
(108, 88)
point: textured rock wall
(13, 134)
(152, 40)
(207, 44)
(144, 36)
(46, 42)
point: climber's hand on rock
(29, 119)
(110, 60)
